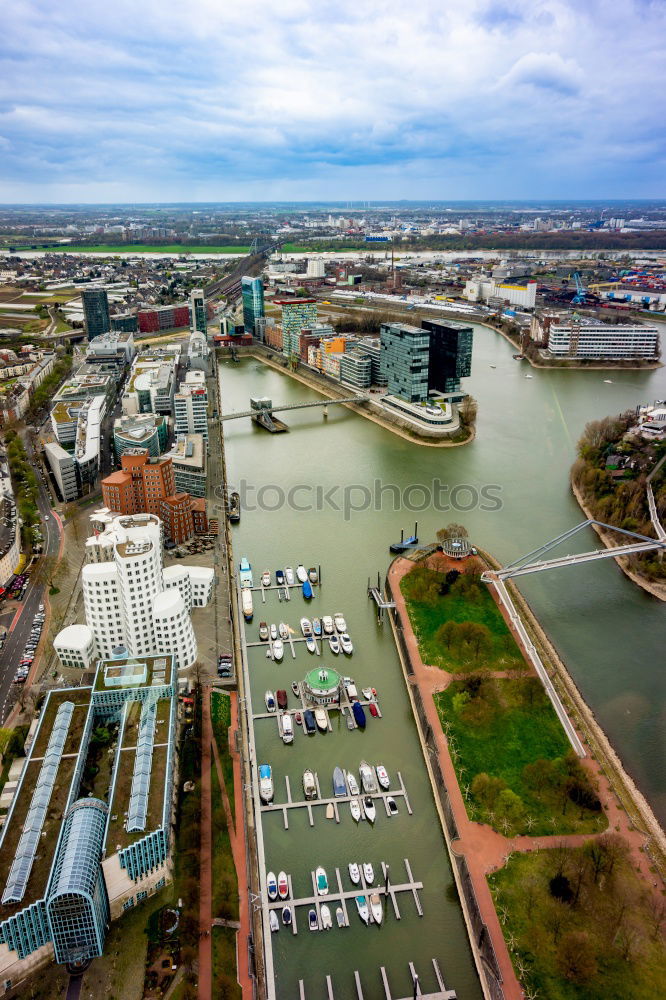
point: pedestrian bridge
(358, 398)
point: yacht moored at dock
(245, 573)
(265, 783)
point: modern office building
(252, 290)
(151, 384)
(189, 464)
(198, 313)
(297, 315)
(356, 369)
(125, 323)
(140, 484)
(405, 355)
(96, 318)
(63, 467)
(372, 346)
(587, 338)
(142, 430)
(116, 345)
(450, 356)
(198, 352)
(163, 318)
(190, 406)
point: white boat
(289, 576)
(322, 881)
(368, 873)
(354, 872)
(334, 643)
(283, 631)
(273, 631)
(271, 885)
(327, 624)
(269, 698)
(273, 921)
(529, 376)
(392, 805)
(608, 381)
(309, 785)
(352, 783)
(310, 644)
(246, 602)
(321, 719)
(362, 907)
(265, 579)
(301, 573)
(326, 921)
(346, 643)
(263, 631)
(265, 783)
(367, 693)
(368, 779)
(330, 811)
(376, 908)
(339, 622)
(306, 627)
(278, 650)
(355, 809)
(340, 917)
(287, 729)
(369, 809)
(283, 885)
(382, 777)
(313, 575)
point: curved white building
(76, 646)
(173, 629)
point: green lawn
(174, 248)
(220, 707)
(225, 980)
(497, 728)
(428, 610)
(603, 944)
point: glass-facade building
(252, 290)
(450, 354)
(404, 361)
(198, 316)
(95, 311)
(297, 315)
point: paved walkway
(205, 857)
(483, 848)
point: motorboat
(369, 809)
(339, 622)
(287, 729)
(322, 881)
(355, 810)
(271, 885)
(245, 573)
(350, 722)
(301, 573)
(283, 631)
(330, 811)
(376, 908)
(273, 921)
(273, 632)
(263, 631)
(265, 783)
(368, 778)
(529, 376)
(279, 577)
(295, 687)
(359, 714)
(281, 698)
(392, 805)
(368, 873)
(339, 783)
(346, 643)
(299, 719)
(340, 917)
(313, 575)
(234, 508)
(354, 873)
(283, 885)
(286, 916)
(278, 650)
(352, 693)
(334, 643)
(307, 590)
(306, 627)
(266, 578)
(352, 783)
(362, 907)
(321, 719)
(289, 576)
(327, 625)
(310, 644)
(313, 922)
(326, 921)
(367, 693)
(269, 698)
(316, 626)
(374, 711)
(246, 603)
(382, 776)
(309, 722)
(309, 784)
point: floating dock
(334, 800)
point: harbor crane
(580, 296)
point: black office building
(95, 311)
(124, 323)
(450, 354)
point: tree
(576, 957)
(539, 774)
(446, 634)
(451, 531)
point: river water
(510, 489)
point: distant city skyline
(211, 102)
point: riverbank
(657, 590)
(311, 381)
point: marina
(334, 800)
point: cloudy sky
(165, 100)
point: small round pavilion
(321, 686)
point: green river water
(609, 632)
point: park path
(205, 856)
(484, 849)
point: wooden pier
(334, 800)
(442, 992)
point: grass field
(225, 981)
(225, 881)
(220, 707)
(604, 943)
(498, 729)
(174, 249)
(428, 610)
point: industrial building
(483, 288)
